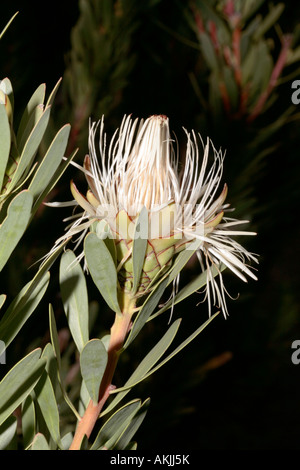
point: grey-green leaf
(34, 118)
(190, 289)
(93, 360)
(26, 301)
(30, 148)
(146, 365)
(2, 300)
(56, 349)
(21, 309)
(75, 298)
(28, 421)
(7, 431)
(66, 440)
(146, 310)
(182, 345)
(54, 337)
(84, 399)
(53, 93)
(7, 25)
(19, 382)
(133, 426)
(115, 425)
(14, 225)
(51, 365)
(4, 142)
(47, 403)
(39, 442)
(181, 260)
(268, 21)
(50, 162)
(103, 230)
(37, 99)
(208, 51)
(102, 269)
(57, 175)
(132, 381)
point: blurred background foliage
(225, 69)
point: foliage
(100, 61)
(34, 380)
(238, 59)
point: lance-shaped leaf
(182, 345)
(32, 121)
(7, 25)
(141, 374)
(182, 259)
(7, 432)
(56, 349)
(66, 440)
(139, 247)
(48, 406)
(249, 8)
(30, 148)
(18, 312)
(39, 442)
(147, 363)
(36, 101)
(84, 399)
(57, 175)
(53, 93)
(115, 425)
(4, 142)
(190, 289)
(131, 446)
(26, 301)
(2, 300)
(132, 427)
(102, 268)
(75, 298)
(50, 162)
(28, 421)
(145, 312)
(51, 366)
(268, 21)
(19, 382)
(208, 51)
(14, 225)
(103, 230)
(93, 360)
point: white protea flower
(139, 169)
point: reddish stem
(214, 36)
(236, 42)
(92, 412)
(225, 97)
(281, 61)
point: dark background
(248, 396)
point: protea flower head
(139, 170)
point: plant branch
(86, 424)
(280, 64)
